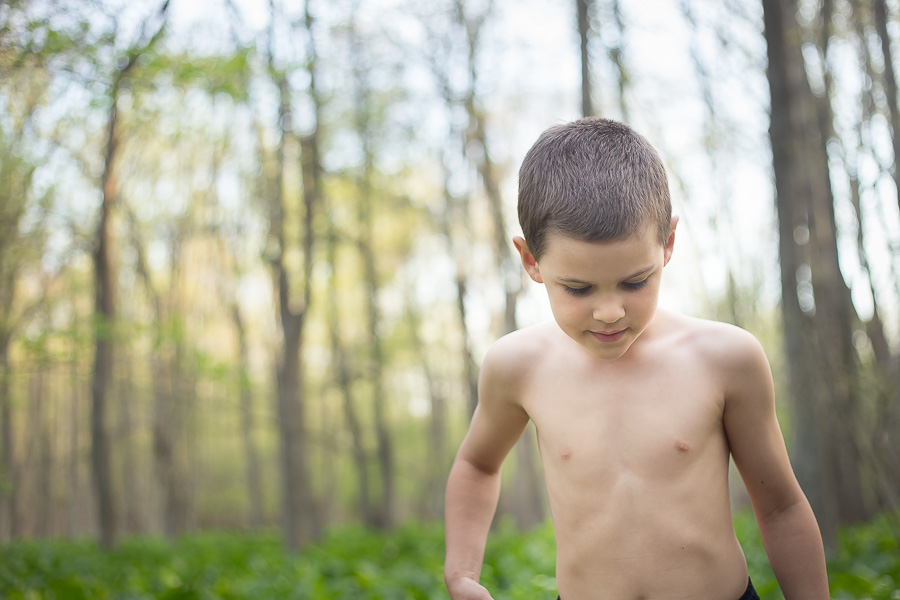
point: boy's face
(603, 294)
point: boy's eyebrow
(637, 273)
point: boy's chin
(606, 350)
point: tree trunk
(299, 516)
(133, 523)
(105, 301)
(816, 307)
(583, 8)
(44, 461)
(168, 409)
(9, 528)
(252, 477)
(344, 382)
(105, 312)
(375, 368)
(438, 458)
(890, 85)
(74, 492)
(528, 502)
(297, 504)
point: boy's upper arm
(499, 417)
(754, 435)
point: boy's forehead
(573, 257)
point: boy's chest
(655, 421)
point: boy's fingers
(469, 589)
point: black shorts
(749, 594)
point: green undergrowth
(353, 563)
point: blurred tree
(166, 363)
(583, 8)
(301, 524)
(832, 447)
(25, 81)
(15, 186)
(889, 80)
(344, 379)
(528, 501)
(104, 273)
(452, 215)
(366, 197)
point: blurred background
(252, 253)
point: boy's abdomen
(644, 520)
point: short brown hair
(593, 179)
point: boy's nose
(609, 311)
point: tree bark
(105, 300)
(817, 311)
(252, 476)
(74, 492)
(41, 432)
(527, 504)
(448, 219)
(9, 493)
(437, 425)
(104, 310)
(344, 381)
(583, 8)
(890, 85)
(301, 523)
(376, 366)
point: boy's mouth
(608, 337)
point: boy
(636, 409)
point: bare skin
(637, 411)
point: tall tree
(451, 216)
(882, 19)
(104, 285)
(818, 314)
(298, 512)
(344, 378)
(15, 187)
(367, 252)
(527, 502)
(583, 8)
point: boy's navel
(682, 446)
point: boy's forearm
(794, 546)
(471, 500)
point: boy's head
(593, 180)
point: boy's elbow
(468, 466)
(790, 505)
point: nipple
(682, 446)
(565, 453)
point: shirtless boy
(636, 409)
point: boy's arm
(473, 487)
(786, 522)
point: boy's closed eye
(631, 286)
(579, 291)
(635, 285)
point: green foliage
(355, 563)
(867, 564)
(351, 563)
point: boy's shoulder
(526, 344)
(719, 344)
(514, 355)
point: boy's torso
(636, 463)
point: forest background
(252, 253)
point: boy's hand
(466, 588)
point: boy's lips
(608, 337)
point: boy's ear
(670, 242)
(528, 260)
